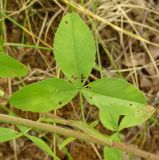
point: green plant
(121, 105)
(9, 67)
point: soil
(42, 65)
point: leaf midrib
(112, 97)
(74, 47)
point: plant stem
(82, 107)
(77, 134)
(46, 127)
(27, 46)
(58, 120)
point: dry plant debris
(28, 28)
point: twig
(77, 134)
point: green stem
(82, 107)
(27, 46)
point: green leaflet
(44, 96)
(138, 116)
(9, 67)
(7, 134)
(65, 150)
(118, 89)
(74, 48)
(113, 153)
(66, 142)
(115, 98)
(42, 145)
(109, 119)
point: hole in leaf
(82, 80)
(60, 103)
(66, 22)
(88, 87)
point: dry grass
(127, 35)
